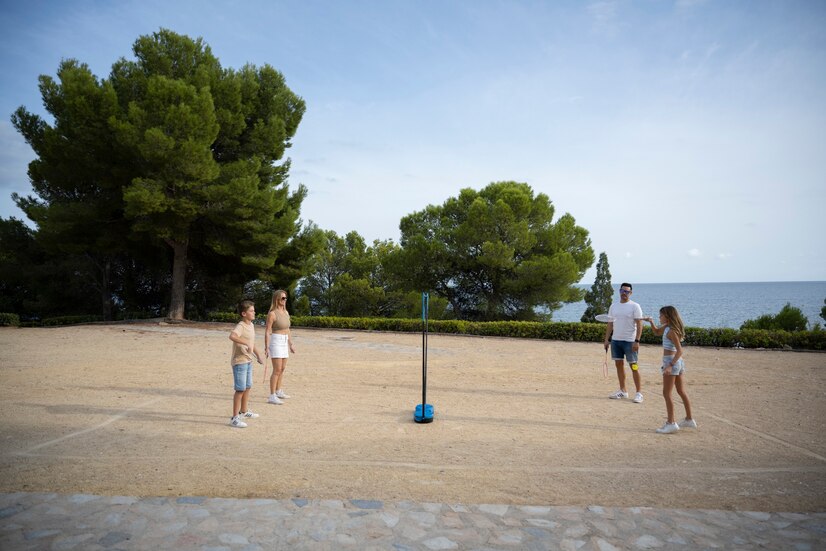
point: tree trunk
(177, 301)
(101, 271)
(105, 293)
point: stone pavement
(89, 522)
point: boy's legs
(236, 402)
(242, 381)
(245, 399)
(245, 396)
(239, 380)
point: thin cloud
(604, 15)
(723, 256)
(689, 4)
(694, 253)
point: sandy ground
(143, 409)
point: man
(624, 333)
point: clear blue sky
(687, 136)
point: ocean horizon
(723, 304)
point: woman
(278, 344)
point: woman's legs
(281, 375)
(683, 396)
(277, 372)
(668, 386)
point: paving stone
(88, 522)
(440, 543)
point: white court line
(530, 469)
(109, 421)
(804, 451)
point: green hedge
(557, 331)
(9, 320)
(572, 331)
(227, 317)
(69, 320)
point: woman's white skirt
(279, 346)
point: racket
(605, 365)
(266, 363)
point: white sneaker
(273, 399)
(280, 394)
(668, 428)
(249, 415)
(619, 395)
(638, 398)
(237, 422)
(688, 424)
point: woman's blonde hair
(275, 296)
(675, 322)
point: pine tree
(599, 297)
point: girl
(278, 344)
(673, 367)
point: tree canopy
(171, 149)
(495, 253)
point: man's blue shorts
(622, 350)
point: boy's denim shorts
(242, 373)
(622, 349)
(676, 369)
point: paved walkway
(89, 522)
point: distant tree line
(162, 190)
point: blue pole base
(423, 417)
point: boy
(243, 348)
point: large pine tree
(172, 149)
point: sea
(718, 304)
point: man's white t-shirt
(625, 326)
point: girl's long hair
(276, 294)
(675, 322)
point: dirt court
(143, 410)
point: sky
(686, 136)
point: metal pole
(425, 305)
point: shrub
(9, 320)
(789, 318)
(70, 320)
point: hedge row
(557, 331)
(68, 320)
(9, 320)
(574, 331)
